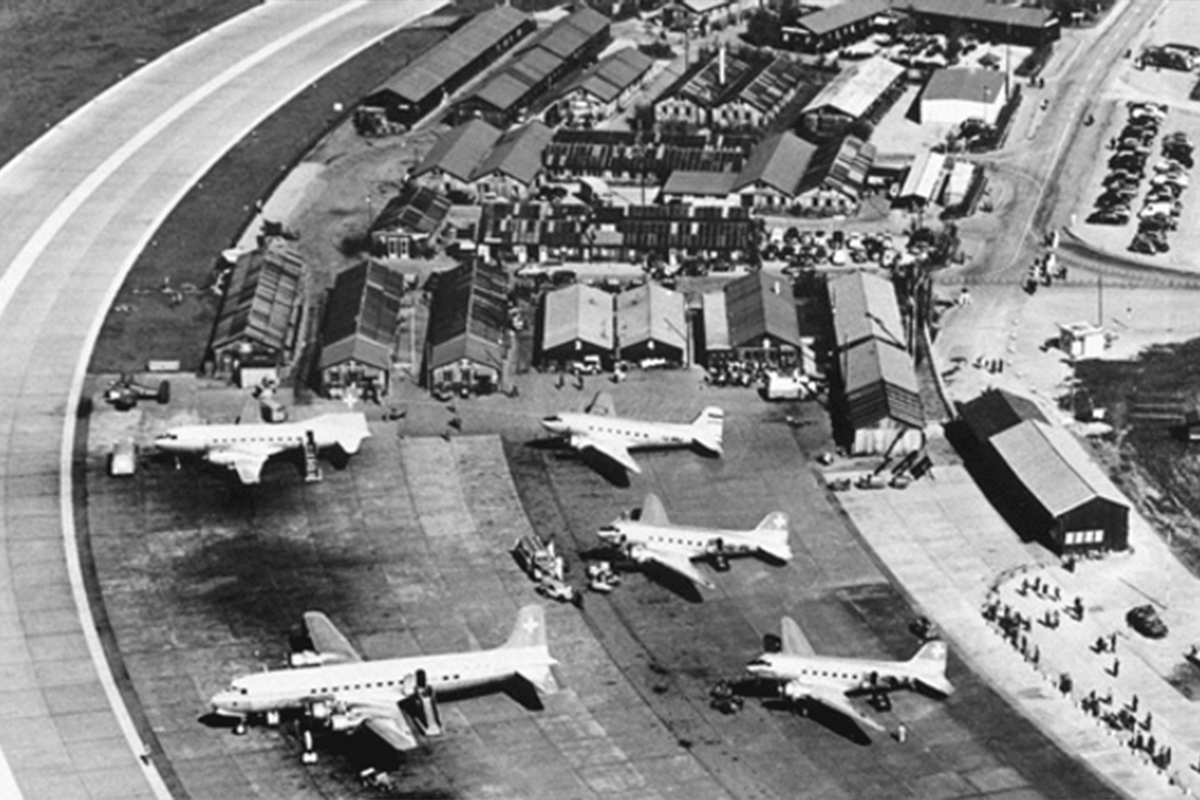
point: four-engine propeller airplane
(246, 447)
(831, 681)
(394, 698)
(598, 428)
(649, 536)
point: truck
(538, 559)
(790, 386)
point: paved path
(78, 207)
(952, 551)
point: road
(79, 206)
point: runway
(79, 206)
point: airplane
(831, 681)
(394, 698)
(649, 536)
(125, 392)
(245, 448)
(599, 428)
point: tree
(763, 29)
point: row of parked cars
(837, 248)
(1127, 165)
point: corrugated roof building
(1041, 478)
(652, 324)
(410, 218)
(880, 400)
(261, 308)
(577, 321)
(465, 344)
(606, 88)
(362, 317)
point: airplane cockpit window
(759, 662)
(170, 437)
(554, 418)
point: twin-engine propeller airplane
(394, 698)
(246, 447)
(598, 428)
(831, 681)
(648, 536)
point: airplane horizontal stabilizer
(540, 677)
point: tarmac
(80, 204)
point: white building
(953, 96)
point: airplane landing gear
(240, 728)
(309, 756)
(273, 719)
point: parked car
(1108, 217)
(1145, 620)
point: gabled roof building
(465, 343)
(362, 317)
(880, 399)
(409, 219)
(862, 91)
(261, 308)
(836, 26)
(754, 318)
(606, 88)
(1041, 478)
(477, 160)
(652, 324)
(577, 321)
(732, 90)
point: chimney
(721, 64)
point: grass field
(55, 55)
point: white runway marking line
(37, 244)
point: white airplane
(246, 447)
(649, 536)
(394, 698)
(831, 681)
(598, 428)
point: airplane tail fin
(529, 631)
(708, 429)
(349, 431)
(928, 666)
(772, 536)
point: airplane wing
(328, 640)
(602, 405)
(833, 699)
(247, 460)
(393, 729)
(612, 448)
(678, 563)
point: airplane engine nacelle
(320, 711)
(636, 552)
(342, 723)
(793, 691)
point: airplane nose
(554, 424)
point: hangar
(1041, 478)
(465, 344)
(261, 308)
(408, 222)
(651, 324)
(435, 74)
(362, 317)
(754, 318)
(577, 321)
(880, 398)
(836, 26)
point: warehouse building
(652, 325)
(605, 89)
(952, 96)
(880, 400)
(261, 308)
(465, 345)
(434, 75)
(623, 157)
(1041, 478)
(836, 26)
(994, 22)
(861, 92)
(477, 160)
(569, 44)
(576, 322)
(362, 318)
